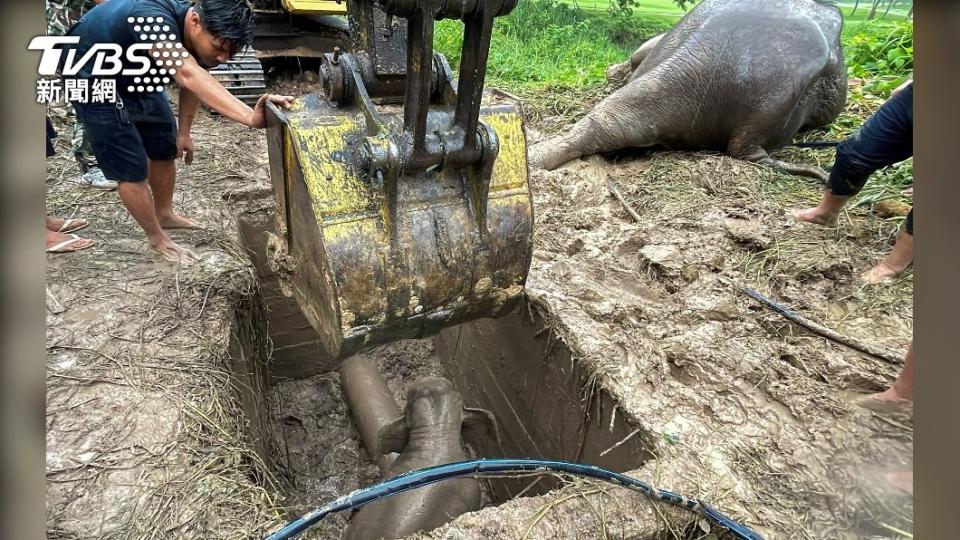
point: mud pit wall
(249, 351)
(296, 349)
(545, 403)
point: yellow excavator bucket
(397, 221)
(358, 284)
(315, 7)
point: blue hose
(419, 478)
(815, 144)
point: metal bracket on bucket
(403, 222)
(464, 141)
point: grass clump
(535, 47)
(879, 53)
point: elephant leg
(555, 152)
(594, 134)
(628, 118)
(640, 54)
(618, 73)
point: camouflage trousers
(82, 148)
(61, 15)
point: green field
(668, 9)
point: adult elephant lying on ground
(736, 76)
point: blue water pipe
(815, 144)
(480, 467)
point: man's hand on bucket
(258, 118)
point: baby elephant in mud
(428, 434)
(736, 76)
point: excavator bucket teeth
(366, 271)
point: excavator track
(243, 76)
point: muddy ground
(754, 406)
(145, 434)
(144, 426)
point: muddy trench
(544, 402)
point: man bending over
(136, 140)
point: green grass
(665, 8)
(897, 13)
(668, 9)
(880, 54)
(546, 44)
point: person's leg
(158, 130)
(899, 258)
(138, 199)
(81, 147)
(884, 139)
(824, 213)
(900, 392)
(65, 225)
(58, 242)
(120, 152)
(902, 388)
(162, 175)
(87, 161)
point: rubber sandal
(72, 225)
(62, 246)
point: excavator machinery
(403, 198)
(284, 29)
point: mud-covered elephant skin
(431, 432)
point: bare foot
(173, 221)
(65, 225)
(881, 274)
(171, 251)
(902, 480)
(887, 401)
(814, 215)
(58, 242)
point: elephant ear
(393, 437)
(479, 426)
